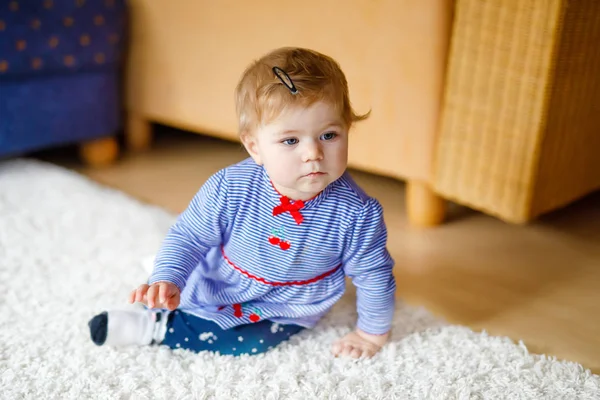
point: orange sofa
(187, 56)
(493, 104)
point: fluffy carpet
(70, 248)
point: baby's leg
(187, 331)
(128, 327)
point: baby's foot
(128, 327)
(359, 344)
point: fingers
(169, 296)
(141, 292)
(342, 348)
(173, 301)
(353, 346)
(356, 352)
(137, 295)
(153, 292)
(163, 294)
(368, 353)
(131, 297)
(336, 349)
(157, 295)
(347, 350)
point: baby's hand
(159, 295)
(359, 344)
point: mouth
(315, 174)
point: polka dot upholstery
(60, 72)
(59, 36)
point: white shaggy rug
(70, 248)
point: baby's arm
(198, 229)
(369, 264)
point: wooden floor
(539, 283)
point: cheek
(278, 155)
(339, 153)
(278, 160)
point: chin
(314, 189)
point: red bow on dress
(292, 208)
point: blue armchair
(60, 72)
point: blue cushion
(60, 64)
(59, 110)
(60, 36)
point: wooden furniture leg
(99, 152)
(424, 207)
(138, 134)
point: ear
(251, 144)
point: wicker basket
(520, 129)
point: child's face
(303, 150)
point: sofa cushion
(60, 36)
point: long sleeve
(369, 264)
(198, 229)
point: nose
(312, 151)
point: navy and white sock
(128, 327)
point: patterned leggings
(186, 331)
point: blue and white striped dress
(240, 254)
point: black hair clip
(285, 79)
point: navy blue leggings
(186, 331)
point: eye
(329, 136)
(290, 142)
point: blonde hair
(261, 97)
